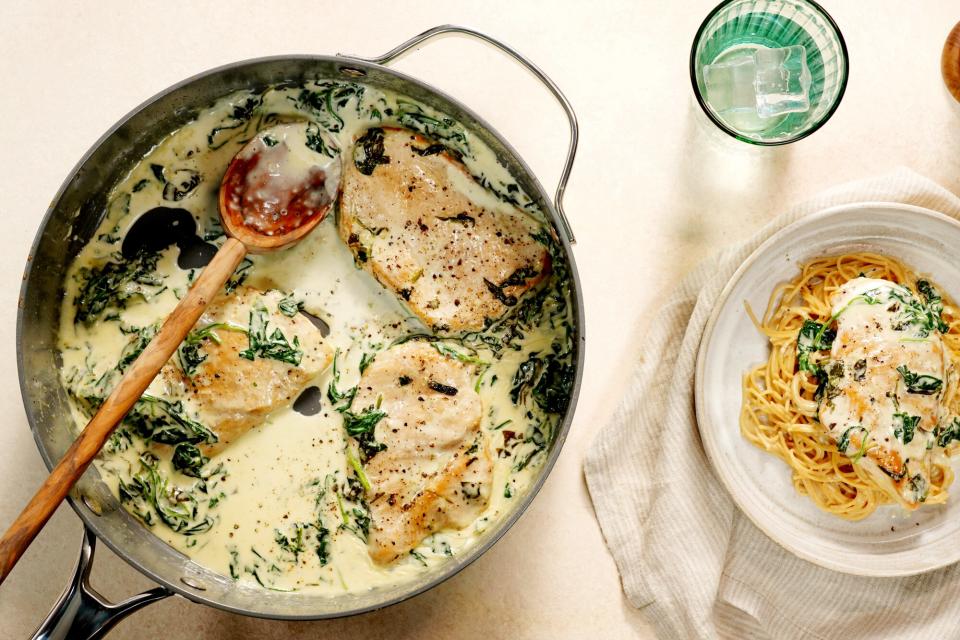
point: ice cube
(782, 81)
(730, 85)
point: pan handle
(83, 614)
(396, 52)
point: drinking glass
(736, 29)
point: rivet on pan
(92, 504)
(352, 73)
(190, 582)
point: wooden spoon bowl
(277, 188)
(950, 62)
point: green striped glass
(741, 35)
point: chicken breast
(454, 262)
(883, 399)
(436, 469)
(232, 392)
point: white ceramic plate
(891, 542)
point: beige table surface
(652, 193)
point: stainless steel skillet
(70, 222)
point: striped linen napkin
(686, 555)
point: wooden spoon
(950, 62)
(275, 191)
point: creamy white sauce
(274, 475)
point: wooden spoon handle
(131, 386)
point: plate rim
(710, 446)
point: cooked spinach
(290, 306)
(441, 128)
(921, 384)
(519, 277)
(369, 153)
(189, 354)
(366, 359)
(448, 351)
(269, 345)
(497, 291)
(525, 376)
(114, 284)
(188, 460)
(293, 543)
(813, 337)
(234, 124)
(905, 426)
(429, 150)
(361, 427)
(325, 101)
(159, 420)
(554, 388)
(341, 398)
(948, 434)
(844, 442)
(323, 542)
(924, 315)
(148, 492)
(181, 184)
(133, 349)
(918, 487)
(239, 275)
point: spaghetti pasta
(779, 412)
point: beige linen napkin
(686, 555)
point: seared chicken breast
(434, 469)
(453, 261)
(883, 399)
(243, 371)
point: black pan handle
(83, 614)
(397, 51)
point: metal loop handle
(83, 614)
(397, 51)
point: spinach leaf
(948, 434)
(553, 391)
(239, 275)
(342, 398)
(159, 420)
(269, 345)
(905, 426)
(323, 542)
(525, 376)
(921, 384)
(234, 124)
(292, 544)
(290, 307)
(923, 315)
(369, 152)
(149, 492)
(183, 182)
(188, 460)
(813, 337)
(114, 284)
(844, 442)
(361, 427)
(189, 353)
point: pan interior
(71, 223)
